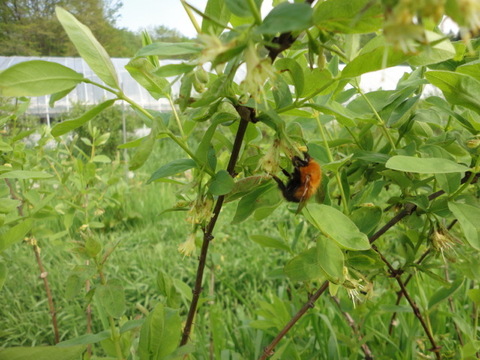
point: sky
(140, 14)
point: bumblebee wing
(303, 198)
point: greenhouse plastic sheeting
(87, 94)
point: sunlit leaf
(89, 48)
(36, 78)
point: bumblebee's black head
(298, 162)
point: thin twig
(43, 273)
(269, 350)
(351, 322)
(246, 115)
(400, 294)
(396, 274)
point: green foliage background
(400, 170)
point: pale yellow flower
(187, 248)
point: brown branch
(268, 351)
(351, 322)
(396, 274)
(400, 294)
(408, 209)
(43, 273)
(246, 115)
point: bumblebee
(303, 182)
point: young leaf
(69, 125)
(166, 50)
(42, 353)
(25, 174)
(111, 297)
(143, 152)
(222, 183)
(287, 17)
(143, 72)
(267, 241)
(424, 165)
(348, 16)
(86, 339)
(305, 267)
(337, 226)
(295, 71)
(468, 216)
(173, 69)
(459, 89)
(241, 8)
(37, 78)
(330, 259)
(444, 293)
(218, 11)
(15, 234)
(172, 168)
(160, 333)
(89, 48)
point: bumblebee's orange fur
(303, 182)
(310, 180)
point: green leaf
(473, 294)
(471, 69)
(458, 89)
(143, 72)
(25, 174)
(468, 216)
(330, 259)
(281, 93)
(104, 159)
(69, 125)
(432, 54)
(173, 69)
(160, 333)
(378, 58)
(444, 292)
(85, 339)
(7, 205)
(37, 78)
(172, 168)
(348, 16)
(244, 186)
(4, 147)
(367, 218)
(165, 50)
(89, 48)
(111, 298)
(424, 165)
(305, 267)
(58, 96)
(222, 183)
(42, 353)
(337, 226)
(249, 203)
(143, 152)
(3, 274)
(295, 71)
(218, 11)
(267, 241)
(287, 17)
(241, 8)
